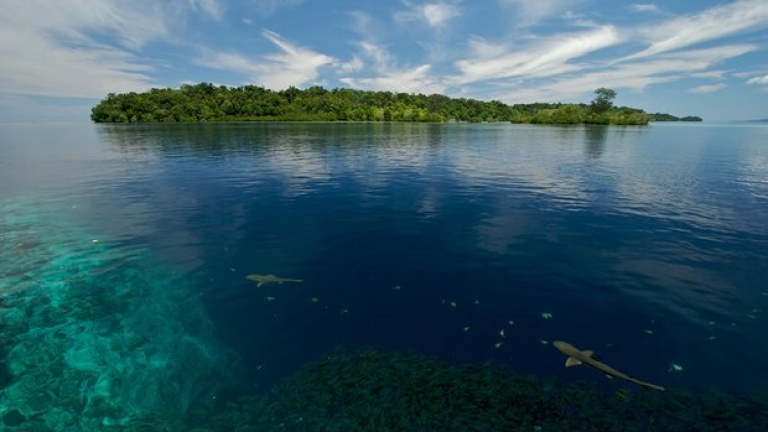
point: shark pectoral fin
(258, 285)
(591, 354)
(608, 376)
(572, 362)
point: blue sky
(685, 57)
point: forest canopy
(206, 102)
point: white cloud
(530, 12)
(292, 66)
(545, 57)
(713, 74)
(49, 48)
(707, 88)
(380, 56)
(433, 14)
(360, 22)
(82, 48)
(648, 7)
(631, 75)
(389, 77)
(414, 80)
(211, 8)
(352, 66)
(715, 23)
(480, 48)
(439, 13)
(759, 80)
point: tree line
(206, 102)
(662, 117)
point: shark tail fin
(572, 361)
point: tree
(604, 100)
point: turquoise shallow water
(124, 252)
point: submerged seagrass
(370, 389)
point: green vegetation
(372, 390)
(604, 100)
(661, 117)
(206, 102)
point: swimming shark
(270, 278)
(577, 357)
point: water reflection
(594, 140)
(246, 138)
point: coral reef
(95, 335)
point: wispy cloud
(352, 66)
(758, 80)
(211, 8)
(544, 57)
(360, 23)
(564, 66)
(390, 77)
(635, 75)
(413, 80)
(293, 65)
(77, 48)
(712, 74)
(432, 14)
(647, 7)
(530, 12)
(382, 59)
(708, 88)
(711, 24)
(269, 7)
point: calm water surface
(469, 242)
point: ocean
(125, 252)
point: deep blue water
(648, 245)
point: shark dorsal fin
(572, 361)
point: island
(206, 102)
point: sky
(684, 57)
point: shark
(577, 357)
(270, 278)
